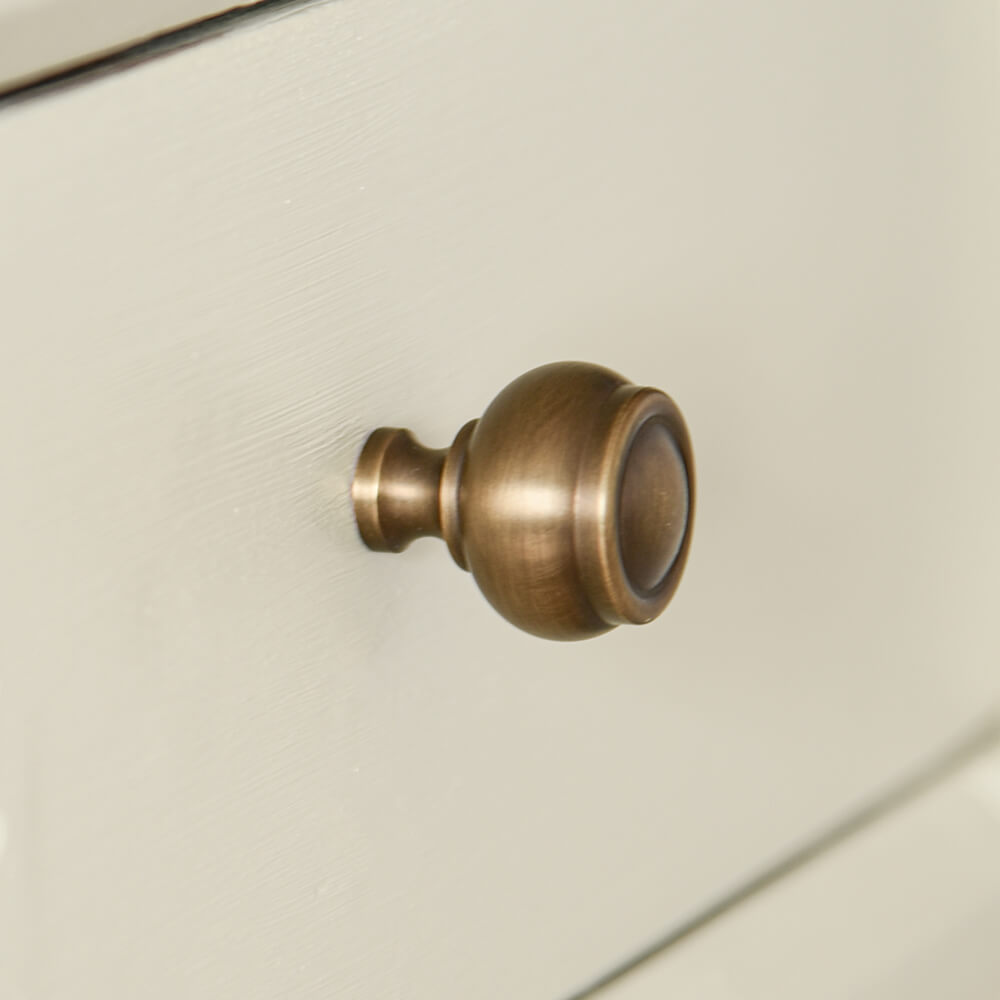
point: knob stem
(403, 490)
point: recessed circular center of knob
(653, 506)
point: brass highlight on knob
(571, 500)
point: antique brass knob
(571, 499)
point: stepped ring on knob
(571, 500)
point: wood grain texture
(249, 757)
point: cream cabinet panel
(244, 756)
(906, 910)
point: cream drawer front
(912, 904)
(246, 757)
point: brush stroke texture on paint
(248, 757)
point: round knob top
(570, 501)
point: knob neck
(403, 490)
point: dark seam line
(985, 737)
(144, 51)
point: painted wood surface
(909, 910)
(41, 37)
(244, 756)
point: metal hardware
(570, 500)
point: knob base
(403, 490)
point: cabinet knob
(571, 500)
